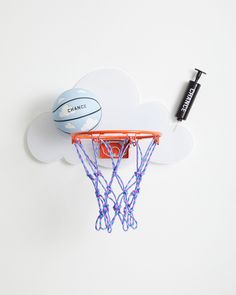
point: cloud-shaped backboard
(119, 98)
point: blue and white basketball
(76, 110)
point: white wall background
(186, 239)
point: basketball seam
(73, 100)
(72, 119)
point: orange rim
(115, 135)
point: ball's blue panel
(76, 110)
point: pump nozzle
(199, 73)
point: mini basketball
(76, 110)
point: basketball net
(115, 205)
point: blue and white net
(115, 205)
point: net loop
(117, 208)
(97, 173)
(90, 176)
(109, 190)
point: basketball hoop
(115, 145)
